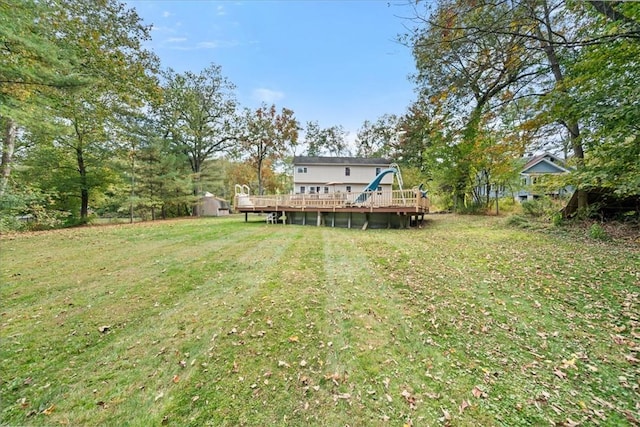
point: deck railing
(374, 199)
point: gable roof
(325, 160)
(545, 163)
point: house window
(312, 190)
(378, 170)
(302, 170)
(348, 189)
(326, 190)
(537, 180)
(347, 171)
(302, 189)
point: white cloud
(166, 14)
(214, 44)
(267, 95)
(220, 11)
(161, 29)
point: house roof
(311, 160)
(213, 196)
(553, 162)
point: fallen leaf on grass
(630, 416)
(464, 405)
(49, 410)
(446, 416)
(282, 363)
(175, 379)
(344, 396)
(569, 364)
(477, 392)
(336, 378)
(386, 382)
(409, 398)
(293, 338)
(103, 329)
(632, 359)
(558, 373)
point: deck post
(349, 221)
(333, 219)
(246, 217)
(318, 219)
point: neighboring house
(324, 175)
(211, 205)
(534, 173)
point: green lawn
(464, 322)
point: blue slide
(373, 185)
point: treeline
(500, 78)
(92, 124)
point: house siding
(320, 172)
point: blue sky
(333, 61)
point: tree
(320, 141)
(545, 46)
(109, 41)
(603, 80)
(468, 75)
(267, 135)
(32, 64)
(380, 138)
(198, 115)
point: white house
(324, 175)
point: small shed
(211, 205)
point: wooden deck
(395, 209)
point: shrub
(542, 207)
(518, 221)
(596, 231)
(557, 219)
(29, 209)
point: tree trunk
(260, 191)
(572, 125)
(8, 146)
(133, 186)
(84, 188)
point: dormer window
(347, 171)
